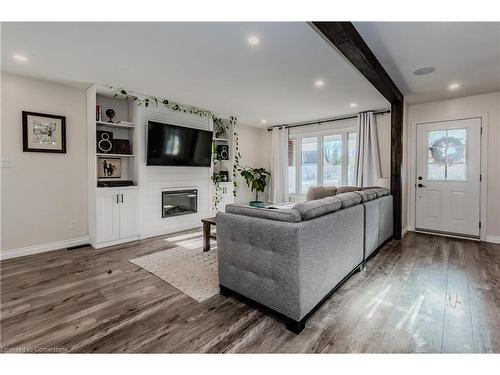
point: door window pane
(352, 152)
(447, 159)
(292, 165)
(309, 163)
(332, 160)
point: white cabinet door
(227, 196)
(107, 215)
(128, 219)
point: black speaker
(223, 152)
(104, 142)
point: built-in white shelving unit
(122, 214)
(113, 211)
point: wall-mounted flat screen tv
(178, 145)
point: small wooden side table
(207, 235)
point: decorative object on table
(221, 128)
(109, 167)
(98, 113)
(256, 179)
(104, 142)
(121, 146)
(223, 152)
(43, 132)
(224, 176)
(110, 113)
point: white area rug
(186, 267)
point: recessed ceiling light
(20, 58)
(253, 40)
(353, 105)
(264, 121)
(424, 71)
(319, 83)
(454, 86)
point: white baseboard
(405, 230)
(493, 239)
(14, 253)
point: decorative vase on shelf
(110, 113)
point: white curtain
(279, 165)
(368, 158)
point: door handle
(122, 197)
(117, 199)
(420, 185)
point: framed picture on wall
(109, 167)
(44, 133)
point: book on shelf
(98, 113)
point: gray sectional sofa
(291, 258)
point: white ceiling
(467, 53)
(209, 65)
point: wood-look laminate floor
(422, 294)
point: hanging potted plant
(256, 179)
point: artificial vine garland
(219, 127)
(236, 151)
(173, 106)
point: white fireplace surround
(153, 180)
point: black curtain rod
(327, 120)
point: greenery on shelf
(217, 194)
(152, 100)
(256, 179)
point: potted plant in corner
(256, 179)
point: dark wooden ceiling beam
(346, 39)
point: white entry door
(448, 177)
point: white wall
(489, 105)
(255, 148)
(44, 196)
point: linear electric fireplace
(179, 202)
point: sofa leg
(294, 325)
(224, 291)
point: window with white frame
(326, 158)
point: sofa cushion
(367, 195)
(318, 207)
(380, 191)
(347, 189)
(348, 199)
(320, 192)
(281, 214)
